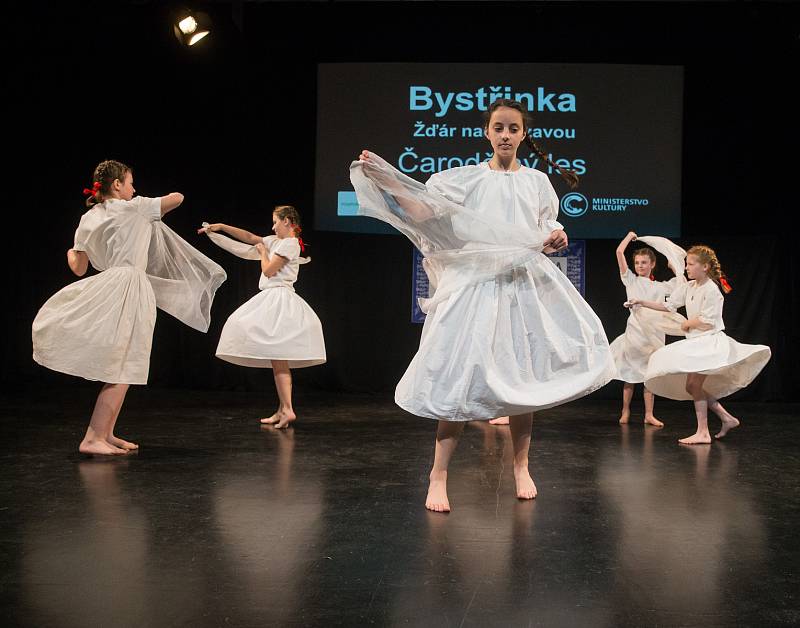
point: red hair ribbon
(726, 287)
(95, 189)
(298, 231)
(652, 277)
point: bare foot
(280, 419)
(624, 418)
(651, 420)
(696, 439)
(526, 489)
(100, 448)
(728, 423)
(437, 493)
(115, 441)
(501, 420)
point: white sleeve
(677, 298)
(448, 184)
(81, 234)
(627, 278)
(548, 206)
(711, 310)
(150, 208)
(89, 222)
(288, 248)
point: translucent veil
(183, 279)
(668, 322)
(461, 246)
(240, 249)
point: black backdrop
(231, 124)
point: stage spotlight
(191, 27)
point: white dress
(633, 348)
(101, 327)
(505, 332)
(276, 324)
(728, 364)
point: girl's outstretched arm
(170, 202)
(653, 305)
(372, 170)
(78, 262)
(621, 261)
(240, 234)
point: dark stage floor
(217, 522)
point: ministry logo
(574, 204)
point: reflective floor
(218, 522)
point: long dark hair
(568, 175)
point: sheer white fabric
(467, 245)
(101, 327)
(505, 331)
(240, 249)
(676, 256)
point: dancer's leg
(283, 383)
(728, 420)
(694, 386)
(649, 403)
(521, 426)
(447, 435)
(116, 441)
(106, 408)
(627, 395)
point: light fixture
(191, 27)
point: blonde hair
(706, 255)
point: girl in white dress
(101, 328)
(641, 338)
(707, 365)
(506, 333)
(275, 329)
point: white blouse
(288, 248)
(520, 197)
(701, 301)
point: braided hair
(288, 211)
(706, 255)
(105, 174)
(568, 175)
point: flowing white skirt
(99, 328)
(523, 341)
(730, 365)
(632, 350)
(276, 324)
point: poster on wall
(619, 127)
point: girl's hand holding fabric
(373, 168)
(556, 242)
